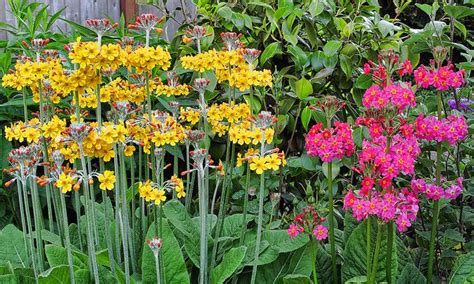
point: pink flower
(367, 68)
(320, 232)
(451, 129)
(294, 230)
(330, 144)
(402, 222)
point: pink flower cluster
(308, 221)
(391, 205)
(391, 96)
(331, 143)
(436, 192)
(451, 129)
(400, 156)
(442, 78)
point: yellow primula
(64, 182)
(107, 180)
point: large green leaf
(174, 268)
(296, 279)
(271, 50)
(178, 216)
(60, 275)
(463, 271)
(332, 47)
(411, 275)
(230, 262)
(233, 224)
(57, 255)
(280, 241)
(303, 88)
(355, 254)
(12, 247)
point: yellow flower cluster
(189, 115)
(122, 90)
(178, 186)
(26, 74)
(89, 53)
(212, 60)
(167, 131)
(146, 58)
(269, 162)
(180, 90)
(243, 78)
(53, 128)
(247, 133)
(21, 131)
(222, 116)
(80, 80)
(151, 194)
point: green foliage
(174, 268)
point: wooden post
(130, 10)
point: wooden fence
(80, 10)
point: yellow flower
(107, 180)
(273, 162)
(158, 196)
(129, 150)
(64, 182)
(258, 164)
(145, 190)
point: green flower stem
(77, 208)
(110, 249)
(157, 268)
(25, 107)
(117, 197)
(369, 243)
(68, 240)
(93, 208)
(246, 204)
(39, 226)
(203, 228)
(125, 250)
(259, 228)
(189, 189)
(125, 209)
(388, 260)
(45, 158)
(260, 213)
(226, 190)
(434, 223)
(26, 226)
(314, 247)
(332, 241)
(378, 241)
(90, 231)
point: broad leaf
(12, 247)
(411, 275)
(174, 269)
(230, 262)
(355, 254)
(463, 269)
(303, 88)
(271, 50)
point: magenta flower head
(451, 129)
(320, 232)
(308, 222)
(329, 144)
